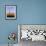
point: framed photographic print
(10, 12)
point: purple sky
(11, 9)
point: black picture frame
(12, 8)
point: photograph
(10, 12)
(30, 33)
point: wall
(28, 12)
